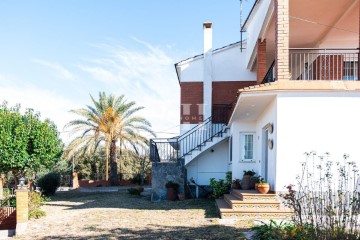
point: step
(250, 217)
(253, 196)
(235, 203)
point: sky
(54, 54)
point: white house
(291, 87)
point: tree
(110, 121)
(26, 143)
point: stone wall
(162, 172)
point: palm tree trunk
(107, 163)
(113, 176)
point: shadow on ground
(160, 232)
(126, 201)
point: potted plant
(236, 184)
(245, 183)
(262, 186)
(172, 188)
(253, 181)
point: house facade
(290, 87)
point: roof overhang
(252, 101)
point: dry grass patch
(74, 215)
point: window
(247, 146)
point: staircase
(189, 145)
(249, 206)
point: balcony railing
(323, 64)
(320, 64)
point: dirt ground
(118, 215)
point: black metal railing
(270, 75)
(173, 149)
(323, 64)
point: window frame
(242, 146)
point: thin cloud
(59, 70)
(145, 74)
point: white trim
(241, 146)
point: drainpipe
(207, 107)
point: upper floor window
(247, 146)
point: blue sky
(53, 54)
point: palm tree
(110, 121)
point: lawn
(74, 215)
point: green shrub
(36, 200)
(221, 186)
(37, 213)
(171, 184)
(135, 190)
(49, 183)
(277, 231)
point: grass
(119, 215)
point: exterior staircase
(248, 206)
(190, 144)
(209, 143)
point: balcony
(320, 64)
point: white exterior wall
(237, 166)
(323, 122)
(227, 65)
(210, 164)
(269, 115)
(254, 27)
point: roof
(252, 11)
(196, 57)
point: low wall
(7, 218)
(92, 183)
(162, 172)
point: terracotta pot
(245, 183)
(171, 194)
(263, 188)
(253, 181)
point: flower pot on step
(263, 188)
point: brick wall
(7, 218)
(282, 40)
(261, 60)
(224, 92)
(191, 99)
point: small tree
(26, 143)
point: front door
(264, 160)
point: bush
(36, 200)
(325, 200)
(49, 183)
(135, 190)
(171, 184)
(221, 186)
(277, 231)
